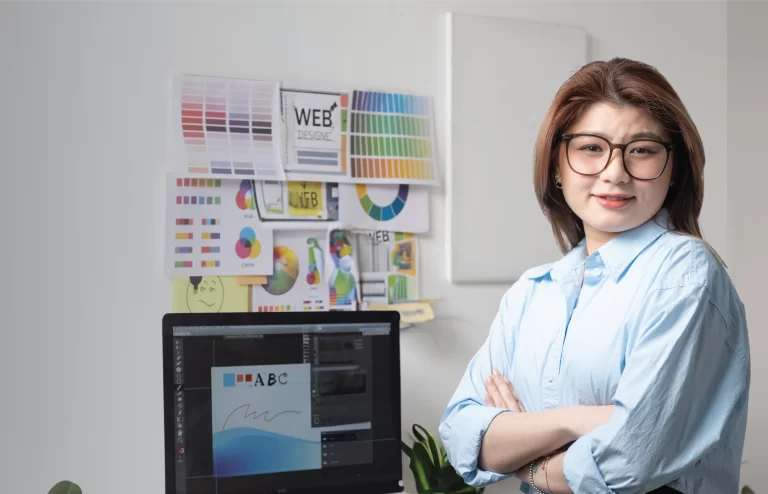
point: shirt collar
(622, 250)
(617, 254)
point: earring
(557, 183)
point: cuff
(462, 437)
(581, 471)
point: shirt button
(597, 272)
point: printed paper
(388, 264)
(313, 139)
(213, 229)
(400, 208)
(292, 200)
(299, 281)
(390, 138)
(343, 273)
(228, 127)
(198, 294)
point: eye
(592, 148)
(211, 289)
(202, 288)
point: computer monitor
(282, 402)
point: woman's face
(613, 201)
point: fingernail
(496, 373)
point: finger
(493, 392)
(512, 389)
(506, 393)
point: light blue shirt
(650, 323)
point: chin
(613, 223)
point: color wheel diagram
(382, 213)
(286, 271)
(247, 246)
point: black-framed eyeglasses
(643, 159)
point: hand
(499, 393)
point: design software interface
(254, 405)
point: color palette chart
(229, 127)
(213, 229)
(390, 138)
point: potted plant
(431, 470)
(747, 490)
(65, 487)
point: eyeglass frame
(567, 138)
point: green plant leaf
(424, 472)
(406, 449)
(747, 490)
(431, 442)
(65, 487)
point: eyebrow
(638, 135)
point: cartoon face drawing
(205, 294)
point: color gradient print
(230, 127)
(390, 138)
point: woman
(624, 366)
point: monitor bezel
(172, 320)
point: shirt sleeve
(679, 391)
(467, 418)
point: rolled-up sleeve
(467, 418)
(681, 389)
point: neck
(596, 239)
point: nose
(615, 172)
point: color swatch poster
(213, 229)
(298, 281)
(313, 140)
(390, 138)
(388, 264)
(198, 294)
(343, 273)
(399, 208)
(229, 127)
(293, 200)
(261, 420)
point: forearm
(515, 439)
(548, 478)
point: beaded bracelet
(530, 475)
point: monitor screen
(293, 406)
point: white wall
(85, 104)
(747, 221)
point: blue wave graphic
(247, 451)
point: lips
(613, 201)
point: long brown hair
(620, 82)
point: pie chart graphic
(386, 212)
(247, 246)
(244, 198)
(286, 271)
